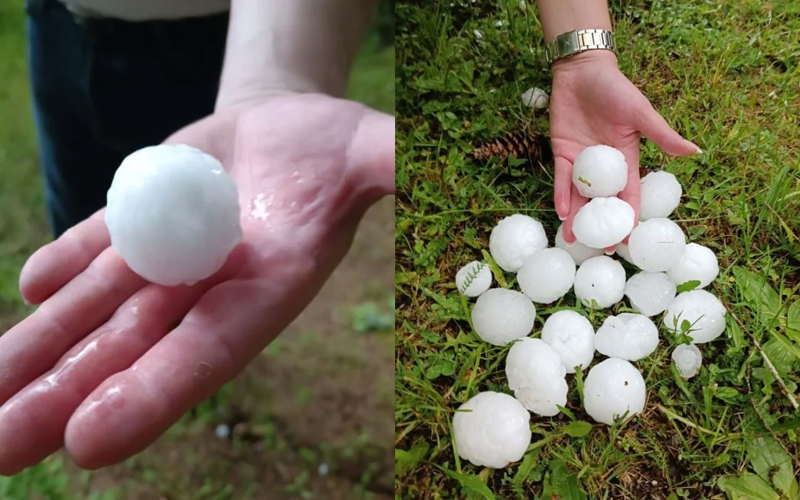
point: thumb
(370, 156)
(653, 126)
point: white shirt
(147, 10)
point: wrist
(588, 59)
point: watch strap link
(577, 41)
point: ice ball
(537, 376)
(173, 214)
(535, 98)
(578, 251)
(704, 312)
(623, 251)
(514, 239)
(492, 429)
(687, 359)
(474, 278)
(661, 194)
(600, 171)
(500, 316)
(571, 335)
(699, 263)
(603, 222)
(656, 245)
(547, 276)
(613, 387)
(650, 293)
(600, 279)
(627, 336)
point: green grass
(724, 75)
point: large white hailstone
(492, 429)
(650, 293)
(627, 336)
(514, 239)
(547, 276)
(600, 171)
(661, 194)
(613, 387)
(571, 335)
(688, 360)
(603, 222)
(704, 312)
(500, 316)
(578, 251)
(697, 264)
(535, 98)
(173, 214)
(623, 251)
(656, 245)
(537, 376)
(600, 279)
(479, 275)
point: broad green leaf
(747, 487)
(767, 457)
(560, 484)
(793, 320)
(757, 291)
(406, 461)
(780, 355)
(472, 485)
(530, 461)
(688, 286)
(577, 429)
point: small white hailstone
(537, 376)
(603, 222)
(478, 34)
(481, 278)
(601, 279)
(500, 316)
(661, 194)
(627, 336)
(600, 171)
(492, 429)
(571, 335)
(535, 98)
(223, 431)
(577, 250)
(624, 252)
(688, 360)
(656, 245)
(547, 276)
(698, 263)
(173, 214)
(650, 293)
(613, 387)
(514, 239)
(704, 312)
(498, 23)
(323, 469)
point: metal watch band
(574, 42)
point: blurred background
(310, 418)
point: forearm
(291, 45)
(560, 16)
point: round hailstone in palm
(613, 387)
(656, 245)
(571, 335)
(514, 239)
(704, 312)
(650, 293)
(697, 264)
(577, 250)
(537, 376)
(624, 252)
(600, 279)
(687, 360)
(535, 98)
(547, 276)
(492, 429)
(474, 278)
(600, 171)
(500, 316)
(661, 194)
(627, 336)
(603, 222)
(173, 214)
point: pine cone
(519, 144)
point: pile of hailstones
(495, 429)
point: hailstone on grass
(704, 312)
(656, 245)
(623, 251)
(173, 214)
(603, 222)
(650, 293)
(535, 98)
(492, 429)
(514, 239)
(687, 360)
(600, 171)
(537, 376)
(697, 264)
(600, 279)
(661, 194)
(578, 251)
(571, 335)
(500, 316)
(474, 278)
(613, 387)
(547, 276)
(627, 336)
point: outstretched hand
(109, 361)
(594, 103)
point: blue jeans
(104, 88)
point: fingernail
(699, 151)
(562, 219)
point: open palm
(109, 361)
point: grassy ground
(726, 75)
(310, 418)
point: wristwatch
(574, 42)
